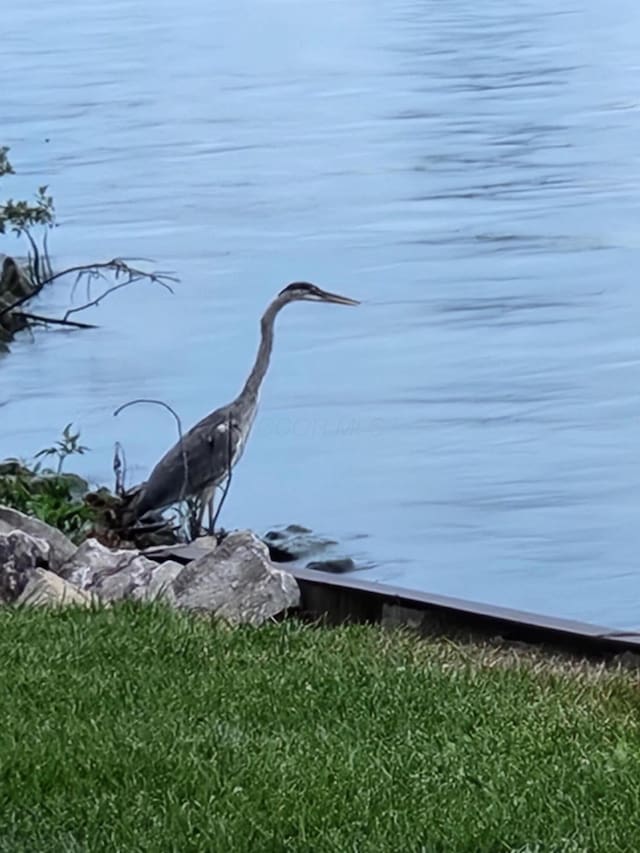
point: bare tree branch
(117, 266)
(119, 468)
(89, 277)
(35, 263)
(48, 270)
(97, 300)
(185, 461)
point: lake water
(471, 173)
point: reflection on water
(471, 173)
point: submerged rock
(336, 567)
(294, 542)
(61, 549)
(237, 582)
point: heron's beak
(339, 300)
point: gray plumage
(201, 462)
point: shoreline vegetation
(67, 502)
(135, 718)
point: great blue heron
(197, 465)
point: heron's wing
(202, 459)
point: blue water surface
(472, 173)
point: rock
(14, 468)
(46, 589)
(113, 575)
(20, 555)
(207, 543)
(161, 584)
(293, 543)
(61, 549)
(279, 555)
(336, 567)
(15, 282)
(237, 582)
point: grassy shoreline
(142, 729)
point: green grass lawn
(138, 729)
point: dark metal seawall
(348, 598)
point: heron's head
(304, 291)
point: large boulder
(237, 582)
(20, 556)
(111, 574)
(45, 589)
(161, 583)
(61, 549)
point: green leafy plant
(68, 445)
(50, 495)
(21, 215)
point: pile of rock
(234, 580)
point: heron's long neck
(252, 385)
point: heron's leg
(202, 505)
(205, 499)
(212, 495)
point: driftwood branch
(185, 461)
